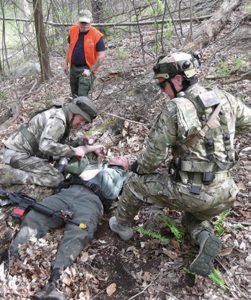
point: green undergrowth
(219, 227)
(218, 279)
(99, 130)
(215, 276)
(153, 234)
(176, 230)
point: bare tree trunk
(97, 12)
(41, 41)
(4, 47)
(27, 14)
(1, 69)
(209, 29)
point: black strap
(91, 186)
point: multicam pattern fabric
(178, 120)
(48, 129)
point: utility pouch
(208, 177)
(208, 99)
(195, 189)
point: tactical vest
(195, 156)
(31, 139)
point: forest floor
(143, 268)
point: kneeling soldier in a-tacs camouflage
(198, 126)
(28, 151)
(84, 196)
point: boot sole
(204, 262)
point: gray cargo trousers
(86, 207)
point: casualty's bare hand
(80, 151)
(87, 72)
(99, 150)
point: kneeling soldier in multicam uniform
(85, 196)
(27, 152)
(199, 127)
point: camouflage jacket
(180, 119)
(48, 129)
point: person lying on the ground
(28, 152)
(85, 197)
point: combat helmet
(177, 63)
(83, 106)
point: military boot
(124, 232)
(50, 291)
(4, 256)
(210, 247)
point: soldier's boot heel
(124, 232)
(203, 264)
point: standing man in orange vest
(85, 52)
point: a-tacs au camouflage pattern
(27, 165)
(178, 120)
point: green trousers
(86, 207)
(162, 190)
(80, 84)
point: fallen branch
(145, 288)
(122, 118)
(203, 35)
(244, 76)
(185, 20)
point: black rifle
(24, 203)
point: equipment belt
(196, 166)
(222, 175)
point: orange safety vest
(90, 41)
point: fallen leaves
(111, 289)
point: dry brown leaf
(226, 251)
(171, 254)
(67, 280)
(241, 186)
(246, 214)
(111, 289)
(146, 276)
(84, 257)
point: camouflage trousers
(25, 169)
(162, 190)
(86, 208)
(80, 84)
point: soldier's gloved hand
(134, 167)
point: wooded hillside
(136, 32)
